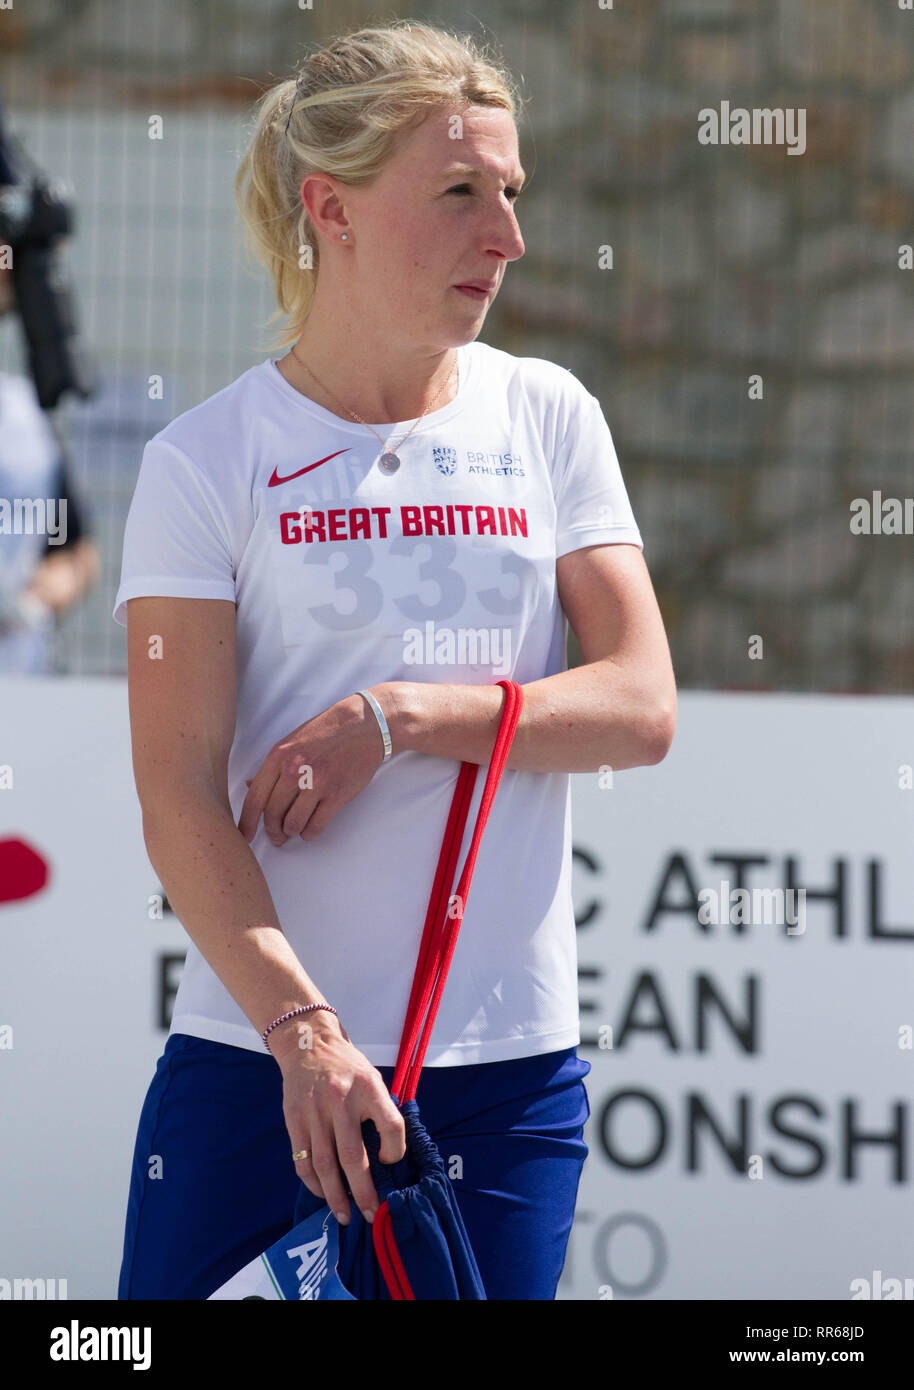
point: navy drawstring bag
(417, 1246)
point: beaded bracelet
(302, 1009)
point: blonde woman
(328, 565)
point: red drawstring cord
(437, 907)
(388, 1256)
(439, 937)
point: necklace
(389, 461)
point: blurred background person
(41, 575)
(48, 559)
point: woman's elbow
(659, 734)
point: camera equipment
(35, 213)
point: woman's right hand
(329, 1089)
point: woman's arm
(217, 889)
(181, 680)
(618, 709)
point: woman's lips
(473, 293)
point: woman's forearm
(575, 721)
(218, 891)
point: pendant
(389, 462)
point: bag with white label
(417, 1246)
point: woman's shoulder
(535, 375)
(539, 388)
(217, 420)
(218, 412)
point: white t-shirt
(344, 576)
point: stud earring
(345, 236)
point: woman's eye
(512, 193)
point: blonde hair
(351, 97)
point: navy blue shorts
(213, 1183)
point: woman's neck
(346, 390)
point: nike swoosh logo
(275, 480)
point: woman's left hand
(312, 773)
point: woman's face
(425, 225)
